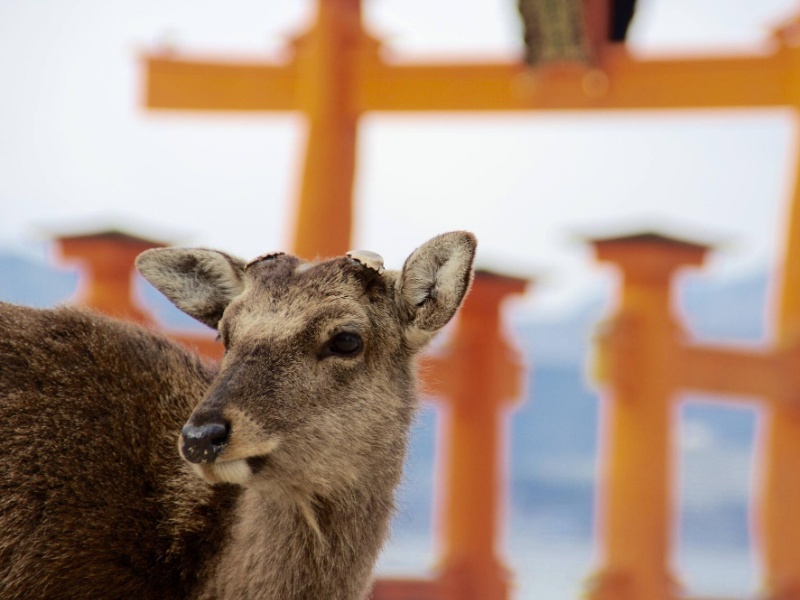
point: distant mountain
(712, 310)
(33, 283)
(560, 341)
(729, 310)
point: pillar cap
(649, 253)
(104, 248)
(652, 238)
(109, 235)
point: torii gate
(338, 74)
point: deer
(289, 449)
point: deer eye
(342, 344)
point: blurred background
(81, 152)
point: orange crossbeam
(208, 85)
(625, 83)
(729, 371)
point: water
(548, 538)
(551, 569)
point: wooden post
(779, 513)
(327, 77)
(106, 261)
(480, 377)
(637, 353)
(780, 504)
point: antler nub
(370, 260)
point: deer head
(316, 386)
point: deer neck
(303, 548)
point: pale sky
(78, 151)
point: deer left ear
(433, 283)
(200, 282)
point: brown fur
(95, 501)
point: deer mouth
(237, 471)
(224, 471)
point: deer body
(288, 454)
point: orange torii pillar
(106, 260)
(326, 78)
(321, 81)
(478, 378)
(637, 354)
(780, 504)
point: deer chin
(227, 471)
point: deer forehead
(286, 320)
(280, 303)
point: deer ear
(199, 282)
(433, 283)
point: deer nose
(203, 443)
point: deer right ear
(199, 282)
(433, 283)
